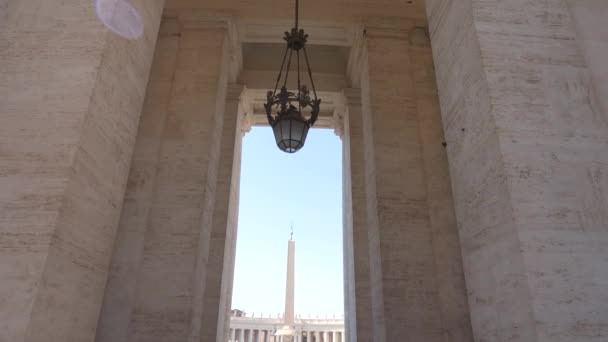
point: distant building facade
(244, 328)
(288, 327)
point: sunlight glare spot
(120, 17)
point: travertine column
(405, 295)
(356, 252)
(446, 245)
(72, 93)
(128, 247)
(232, 334)
(222, 244)
(528, 149)
(170, 231)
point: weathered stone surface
(357, 300)
(415, 271)
(446, 245)
(172, 267)
(129, 245)
(527, 145)
(71, 97)
(220, 269)
(523, 88)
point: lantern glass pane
(290, 134)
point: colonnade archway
(120, 227)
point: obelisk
(287, 333)
(290, 283)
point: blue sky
(277, 189)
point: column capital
(392, 28)
(408, 31)
(179, 21)
(200, 19)
(246, 110)
(352, 96)
(234, 91)
(340, 110)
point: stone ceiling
(314, 10)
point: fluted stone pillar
(526, 139)
(165, 269)
(72, 93)
(410, 233)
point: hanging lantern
(285, 109)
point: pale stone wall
(527, 153)
(592, 35)
(444, 231)
(71, 98)
(357, 301)
(168, 274)
(522, 88)
(129, 244)
(414, 281)
(221, 261)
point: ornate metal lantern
(288, 123)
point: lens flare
(120, 17)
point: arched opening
(276, 190)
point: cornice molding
(332, 108)
(321, 33)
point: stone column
(406, 295)
(222, 244)
(171, 224)
(449, 272)
(356, 252)
(527, 154)
(128, 247)
(72, 93)
(334, 337)
(232, 334)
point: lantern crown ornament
(285, 108)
